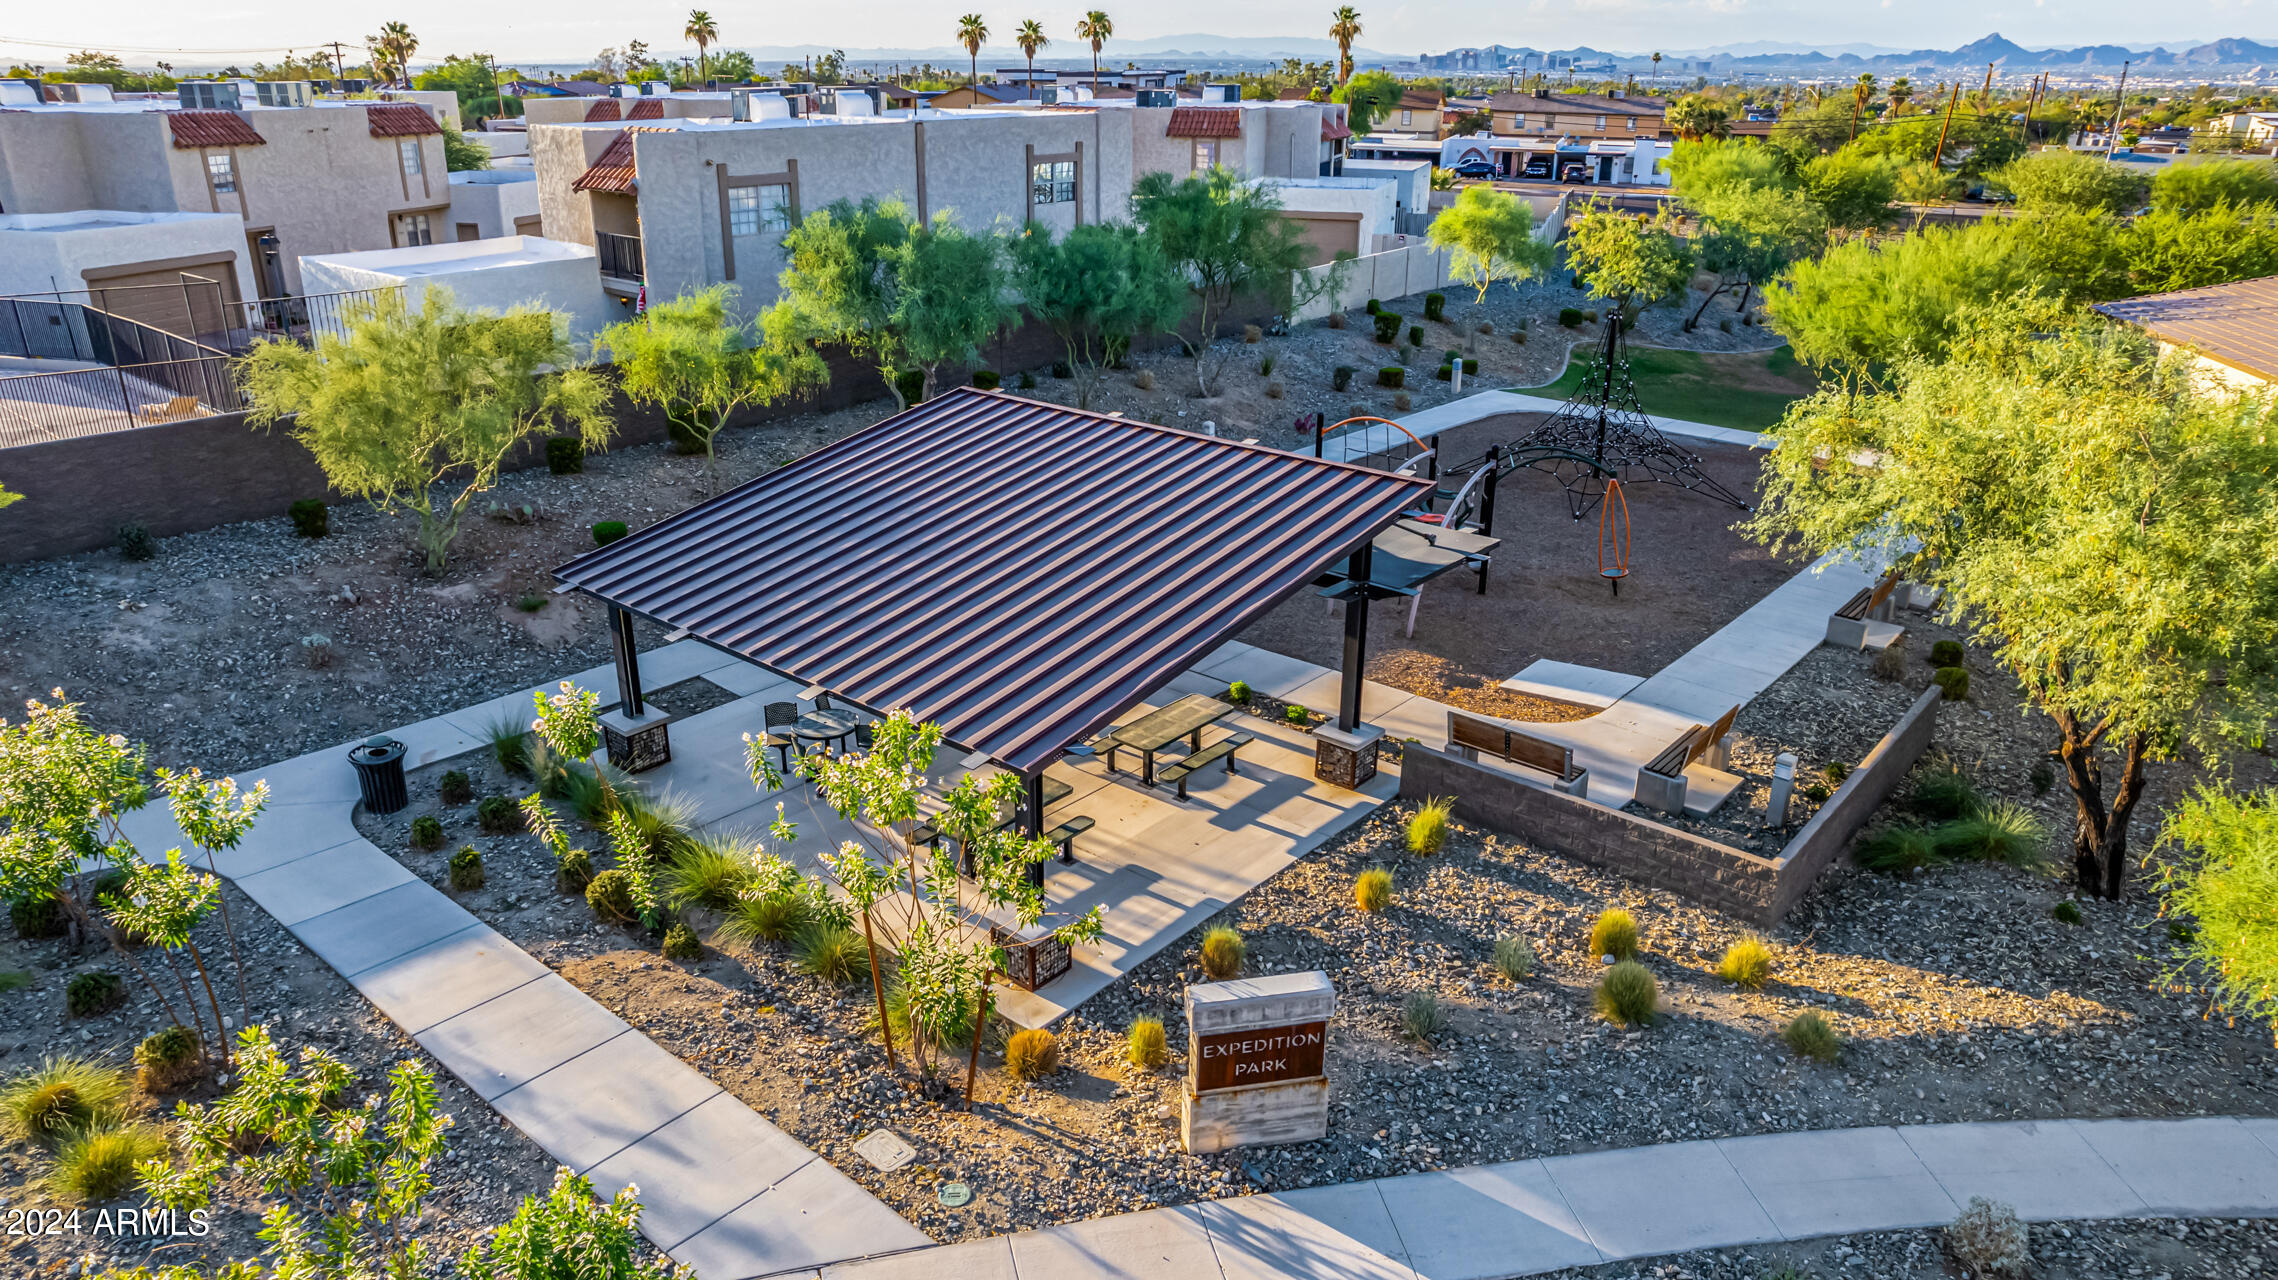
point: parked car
(1574, 171)
(1475, 169)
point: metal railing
(39, 407)
(303, 318)
(620, 255)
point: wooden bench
(1179, 770)
(1065, 835)
(1469, 735)
(1661, 782)
(1848, 627)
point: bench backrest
(1882, 591)
(1722, 727)
(1504, 742)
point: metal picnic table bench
(1185, 718)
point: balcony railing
(620, 255)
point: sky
(572, 30)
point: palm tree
(1656, 68)
(972, 30)
(1030, 38)
(1096, 27)
(1344, 28)
(392, 50)
(703, 31)
(1900, 90)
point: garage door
(192, 302)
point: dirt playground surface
(1690, 572)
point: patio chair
(822, 702)
(782, 715)
(865, 735)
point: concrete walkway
(1530, 1216)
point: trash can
(379, 773)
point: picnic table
(832, 725)
(1158, 729)
(930, 832)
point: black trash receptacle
(379, 774)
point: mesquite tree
(1097, 289)
(1489, 236)
(1229, 238)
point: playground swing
(1613, 536)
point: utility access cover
(885, 1150)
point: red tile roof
(602, 109)
(646, 109)
(400, 120)
(1205, 122)
(194, 129)
(612, 170)
(1333, 127)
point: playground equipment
(1613, 536)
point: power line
(107, 47)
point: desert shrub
(136, 543)
(1296, 714)
(1812, 1036)
(1144, 379)
(1889, 664)
(608, 531)
(38, 918)
(1062, 371)
(1372, 889)
(1222, 953)
(1275, 391)
(310, 517)
(1146, 1045)
(680, 943)
(531, 602)
(709, 871)
(767, 917)
(1989, 1241)
(1519, 337)
(510, 744)
(1392, 375)
(1032, 1054)
(573, 871)
(1954, 682)
(1590, 316)
(610, 894)
(987, 379)
(2003, 831)
(1239, 691)
(1627, 994)
(454, 788)
(1387, 328)
(166, 1060)
(1613, 933)
(498, 816)
(1421, 1016)
(1265, 367)
(911, 383)
(831, 952)
(466, 869)
(1401, 402)
(1435, 306)
(1415, 335)
(99, 1164)
(1335, 319)
(97, 991)
(1946, 653)
(316, 651)
(2043, 777)
(1746, 963)
(1027, 381)
(1252, 334)
(1514, 958)
(1570, 317)
(2066, 911)
(59, 1096)
(1444, 373)
(565, 455)
(1816, 792)
(1896, 849)
(1836, 771)
(1941, 790)
(1341, 377)
(1470, 365)
(1373, 306)
(427, 832)
(1427, 830)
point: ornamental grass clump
(1146, 1045)
(2003, 831)
(99, 1164)
(1746, 963)
(1372, 889)
(1427, 830)
(1514, 958)
(1943, 791)
(1222, 953)
(1422, 1017)
(1614, 933)
(59, 1097)
(1896, 849)
(834, 953)
(1810, 1035)
(710, 871)
(1032, 1054)
(1627, 994)
(167, 1060)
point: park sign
(1256, 1061)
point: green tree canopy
(949, 295)
(1369, 97)
(1631, 262)
(1489, 236)
(2169, 249)
(2222, 872)
(692, 359)
(840, 283)
(1866, 303)
(460, 155)
(2196, 188)
(1695, 117)
(1750, 234)
(2105, 529)
(1852, 188)
(1703, 168)
(407, 405)
(1228, 238)
(1097, 289)
(2061, 178)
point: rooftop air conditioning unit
(20, 93)
(624, 91)
(1073, 94)
(84, 93)
(852, 101)
(655, 88)
(758, 104)
(281, 93)
(1049, 95)
(209, 95)
(1221, 93)
(1158, 97)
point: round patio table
(833, 726)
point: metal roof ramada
(1020, 572)
(1204, 122)
(2235, 324)
(194, 129)
(400, 120)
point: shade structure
(1017, 572)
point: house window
(1629, 123)
(412, 229)
(1053, 183)
(409, 147)
(1518, 122)
(1601, 124)
(752, 210)
(221, 171)
(1407, 117)
(1205, 153)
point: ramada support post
(1345, 754)
(634, 733)
(628, 660)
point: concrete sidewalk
(1530, 1216)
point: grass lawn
(1748, 390)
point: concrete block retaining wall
(1743, 884)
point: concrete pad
(1707, 789)
(1480, 1223)
(1138, 1246)
(1275, 675)
(1264, 1238)
(604, 1100)
(433, 739)
(1418, 718)
(377, 929)
(1698, 1201)
(448, 977)
(714, 1158)
(294, 891)
(2264, 1130)
(518, 1036)
(989, 1259)
(2042, 1168)
(748, 680)
(2198, 1167)
(814, 1216)
(1356, 1209)
(1229, 653)
(1570, 682)
(285, 832)
(1838, 1181)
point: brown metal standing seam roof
(602, 109)
(1205, 122)
(1020, 572)
(194, 129)
(400, 120)
(2234, 324)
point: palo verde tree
(1228, 238)
(1749, 235)
(841, 283)
(692, 359)
(2194, 188)
(1867, 303)
(1630, 262)
(2103, 527)
(1489, 236)
(2061, 178)
(420, 410)
(2222, 873)
(949, 296)
(1098, 289)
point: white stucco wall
(490, 200)
(46, 252)
(482, 275)
(1412, 180)
(1374, 199)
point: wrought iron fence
(38, 407)
(620, 255)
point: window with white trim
(1053, 182)
(409, 149)
(1205, 154)
(1601, 124)
(1407, 117)
(221, 171)
(412, 229)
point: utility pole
(339, 64)
(2119, 108)
(1952, 100)
(2032, 99)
